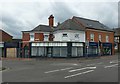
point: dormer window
(65, 35)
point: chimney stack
(51, 21)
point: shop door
(49, 51)
(107, 51)
(11, 52)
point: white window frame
(100, 37)
(92, 37)
(46, 38)
(107, 38)
(31, 36)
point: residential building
(99, 38)
(40, 35)
(65, 40)
(4, 37)
(76, 37)
(73, 35)
(117, 39)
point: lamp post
(99, 45)
(87, 46)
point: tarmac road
(103, 69)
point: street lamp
(87, 46)
(99, 45)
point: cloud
(61, 11)
(26, 15)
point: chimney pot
(51, 20)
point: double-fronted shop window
(38, 51)
(59, 49)
(77, 51)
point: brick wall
(5, 37)
(103, 36)
(102, 33)
(25, 36)
(39, 37)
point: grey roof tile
(69, 25)
(43, 28)
(92, 23)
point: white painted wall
(71, 35)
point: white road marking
(110, 66)
(58, 70)
(90, 64)
(79, 74)
(66, 69)
(75, 64)
(114, 61)
(82, 69)
(52, 71)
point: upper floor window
(117, 39)
(76, 35)
(65, 35)
(46, 37)
(100, 39)
(31, 36)
(92, 37)
(107, 38)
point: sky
(25, 15)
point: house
(4, 37)
(117, 39)
(40, 35)
(76, 37)
(73, 35)
(99, 38)
(65, 40)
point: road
(103, 69)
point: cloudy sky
(22, 15)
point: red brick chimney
(51, 21)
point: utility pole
(99, 45)
(87, 46)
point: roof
(5, 32)
(69, 25)
(42, 28)
(94, 24)
(117, 31)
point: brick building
(50, 41)
(117, 39)
(99, 38)
(74, 37)
(41, 33)
(4, 37)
